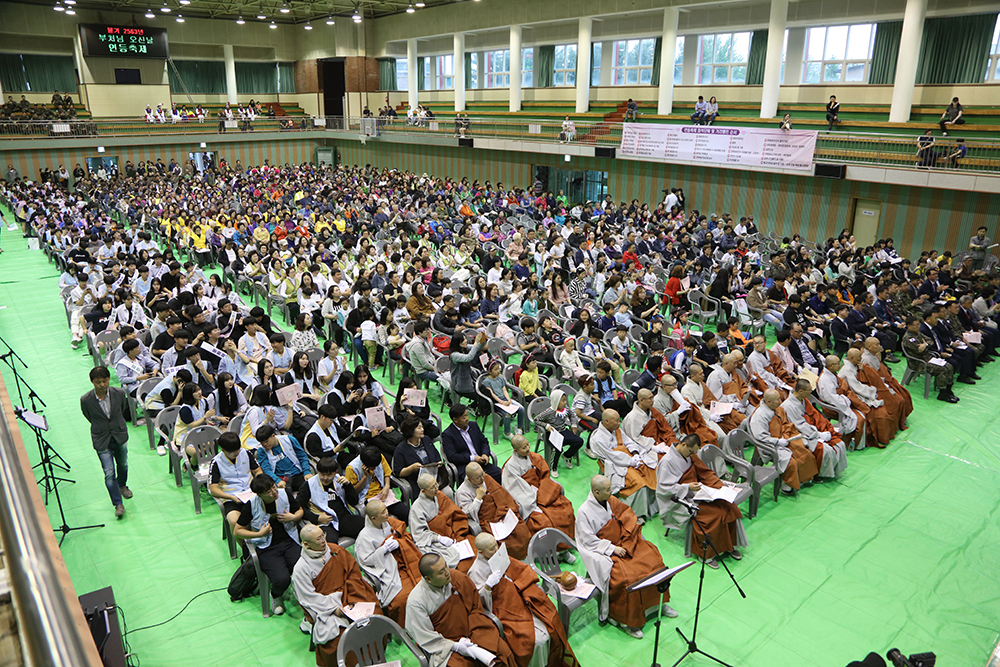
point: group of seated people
(61, 108)
(408, 269)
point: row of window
(832, 54)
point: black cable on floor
(156, 625)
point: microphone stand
(692, 644)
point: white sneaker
(669, 611)
(276, 608)
(567, 557)
(554, 474)
(634, 633)
(161, 450)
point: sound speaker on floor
(831, 170)
(467, 143)
(604, 151)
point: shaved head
(599, 482)
(374, 508)
(832, 363)
(312, 534)
(853, 355)
(485, 541)
(425, 481)
(644, 394)
(428, 564)
(772, 398)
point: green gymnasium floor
(902, 551)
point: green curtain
(657, 61)
(885, 51)
(955, 49)
(286, 77)
(468, 71)
(545, 68)
(12, 76)
(202, 77)
(757, 58)
(421, 73)
(387, 74)
(256, 78)
(49, 73)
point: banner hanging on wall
(750, 147)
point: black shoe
(966, 380)
(975, 377)
(892, 359)
(947, 398)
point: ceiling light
(69, 2)
(309, 26)
(180, 19)
(284, 8)
(410, 9)
(261, 17)
(165, 9)
(357, 15)
(59, 8)
(150, 14)
(70, 12)
(185, 2)
(330, 21)
(272, 26)
(420, 3)
(240, 20)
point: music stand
(661, 579)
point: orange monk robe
(734, 418)
(719, 517)
(494, 508)
(341, 573)
(659, 430)
(894, 403)
(452, 522)
(880, 426)
(777, 369)
(692, 421)
(407, 558)
(803, 466)
(641, 560)
(556, 508)
(514, 600)
(894, 384)
(462, 615)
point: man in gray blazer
(106, 408)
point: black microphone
(690, 504)
(897, 658)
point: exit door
(865, 221)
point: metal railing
(886, 150)
(46, 615)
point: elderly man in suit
(463, 443)
(106, 408)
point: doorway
(578, 185)
(202, 161)
(334, 86)
(865, 219)
(109, 162)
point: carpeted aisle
(901, 552)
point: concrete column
(794, 56)
(607, 62)
(515, 68)
(411, 76)
(772, 63)
(689, 70)
(227, 53)
(459, 70)
(583, 53)
(906, 63)
(665, 97)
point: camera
(915, 660)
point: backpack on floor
(244, 582)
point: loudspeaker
(831, 170)
(467, 143)
(604, 151)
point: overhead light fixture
(284, 8)
(150, 14)
(357, 15)
(185, 2)
(180, 19)
(204, 145)
(240, 20)
(330, 21)
(309, 26)
(410, 9)
(566, 158)
(420, 4)
(69, 2)
(59, 8)
(165, 9)
(100, 149)
(272, 26)
(70, 12)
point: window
(565, 65)
(473, 65)
(993, 64)
(428, 72)
(595, 65)
(838, 54)
(633, 62)
(402, 78)
(445, 69)
(678, 61)
(723, 58)
(527, 67)
(497, 69)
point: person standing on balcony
(951, 116)
(832, 112)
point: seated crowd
(591, 323)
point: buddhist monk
(696, 391)
(660, 436)
(530, 621)
(616, 554)
(437, 524)
(872, 371)
(818, 434)
(795, 462)
(543, 504)
(386, 552)
(679, 415)
(485, 502)
(882, 423)
(834, 392)
(681, 474)
(630, 468)
(326, 579)
(444, 615)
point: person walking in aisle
(106, 408)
